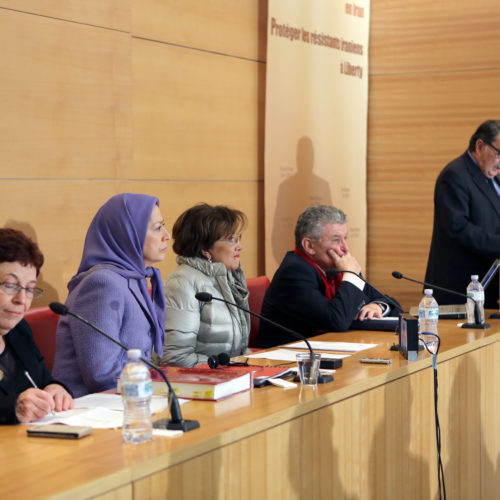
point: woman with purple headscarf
(125, 238)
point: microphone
(222, 359)
(477, 315)
(322, 379)
(176, 422)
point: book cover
(202, 383)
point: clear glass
(308, 367)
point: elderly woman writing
(207, 240)
(21, 364)
(125, 238)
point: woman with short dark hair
(207, 240)
(27, 390)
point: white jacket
(195, 330)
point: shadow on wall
(296, 193)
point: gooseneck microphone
(176, 422)
(477, 314)
(208, 297)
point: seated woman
(207, 240)
(125, 238)
(20, 359)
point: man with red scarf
(308, 294)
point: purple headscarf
(116, 238)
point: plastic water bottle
(136, 389)
(428, 315)
(476, 291)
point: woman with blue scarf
(125, 238)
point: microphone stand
(208, 297)
(477, 315)
(176, 422)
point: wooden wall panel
(433, 79)
(224, 26)
(195, 114)
(400, 230)
(114, 14)
(415, 36)
(419, 122)
(66, 99)
(68, 210)
(362, 438)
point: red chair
(44, 322)
(257, 288)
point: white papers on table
(288, 355)
(114, 402)
(332, 346)
(100, 411)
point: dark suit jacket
(466, 233)
(20, 340)
(296, 299)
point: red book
(202, 383)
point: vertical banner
(316, 117)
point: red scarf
(331, 285)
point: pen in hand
(32, 382)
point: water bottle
(136, 389)
(476, 291)
(428, 315)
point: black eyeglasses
(497, 151)
(32, 292)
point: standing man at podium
(466, 233)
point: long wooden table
(368, 435)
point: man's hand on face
(344, 262)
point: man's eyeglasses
(497, 151)
(32, 292)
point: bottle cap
(474, 277)
(134, 353)
(428, 291)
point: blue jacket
(85, 360)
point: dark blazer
(466, 233)
(296, 299)
(20, 340)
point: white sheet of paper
(289, 355)
(114, 402)
(332, 346)
(100, 411)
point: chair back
(43, 322)
(257, 289)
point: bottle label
(477, 295)
(428, 313)
(137, 389)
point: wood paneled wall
(107, 96)
(167, 98)
(433, 79)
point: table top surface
(35, 466)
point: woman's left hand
(62, 398)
